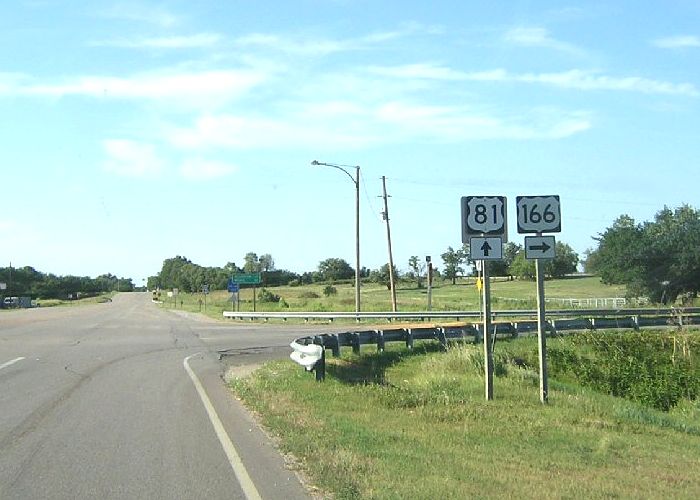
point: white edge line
(246, 483)
(11, 362)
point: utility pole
(385, 215)
(430, 282)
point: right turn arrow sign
(539, 247)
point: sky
(135, 131)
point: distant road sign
(205, 289)
(538, 214)
(247, 279)
(486, 248)
(484, 216)
(233, 287)
(540, 247)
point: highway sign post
(233, 288)
(485, 228)
(248, 279)
(540, 214)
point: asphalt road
(103, 402)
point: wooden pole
(392, 282)
(357, 241)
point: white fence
(604, 303)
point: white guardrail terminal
(311, 357)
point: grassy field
(416, 425)
(446, 297)
(74, 303)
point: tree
(453, 260)
(417, 269)
(382, 276)
(502, 267)
(252, 263)
(266, 262)
(522, 267)
(564, 262)
(335, 269)
(618, 258)
(659, 259)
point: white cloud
(199, 40)
(198, 169)
(677, 42)
(309, 46)
(572, 79)
(245, 132)
(586, 80)
(455, 124)
(341, 125)
(427, 71)
(193, 89)
(131, 158)
(141, 13)
(538, 37)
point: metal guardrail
(456, 315)
(314, 359)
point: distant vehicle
(23, 302)
(11, 302)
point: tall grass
(415, 424)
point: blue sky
(137, 131)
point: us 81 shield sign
(484, 216)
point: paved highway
(124, 400)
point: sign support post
(488, 352)
(485, 228)
(540, 214)
(541, 331)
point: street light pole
(356, 181)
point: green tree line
(27, 281)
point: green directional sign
(247, 279)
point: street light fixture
(356, 181)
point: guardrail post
(320, 367)
(441, 337)
(380, 340)
(635, 320)
(478, 336)
(335, 347)
(355, 343)
(409, 338)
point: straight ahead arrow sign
(486, 248)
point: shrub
(309, 295)
(267, 296)
(655, 369)
(330, 290)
